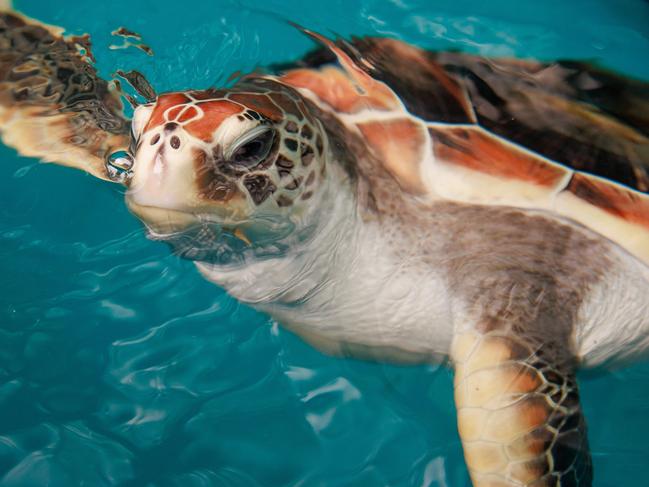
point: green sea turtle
(392, 203)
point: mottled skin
(316, 197)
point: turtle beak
(162, 221)
(161, 188)
(163, 171)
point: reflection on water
(120, 365)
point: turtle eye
(253, 148)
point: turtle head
(245, 163)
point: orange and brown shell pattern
(449, 127)
(566, 137)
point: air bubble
(118, 166)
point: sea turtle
(392, 203)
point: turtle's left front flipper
(53, 105)
(519, 414)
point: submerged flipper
(53, 105)
(519, 414)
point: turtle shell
(565, 137)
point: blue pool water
(119, 365)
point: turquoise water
(119, 365)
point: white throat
(344, 289)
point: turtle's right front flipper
(519, 414)
(53, 105)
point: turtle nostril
(155, 139)
(175, 142)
